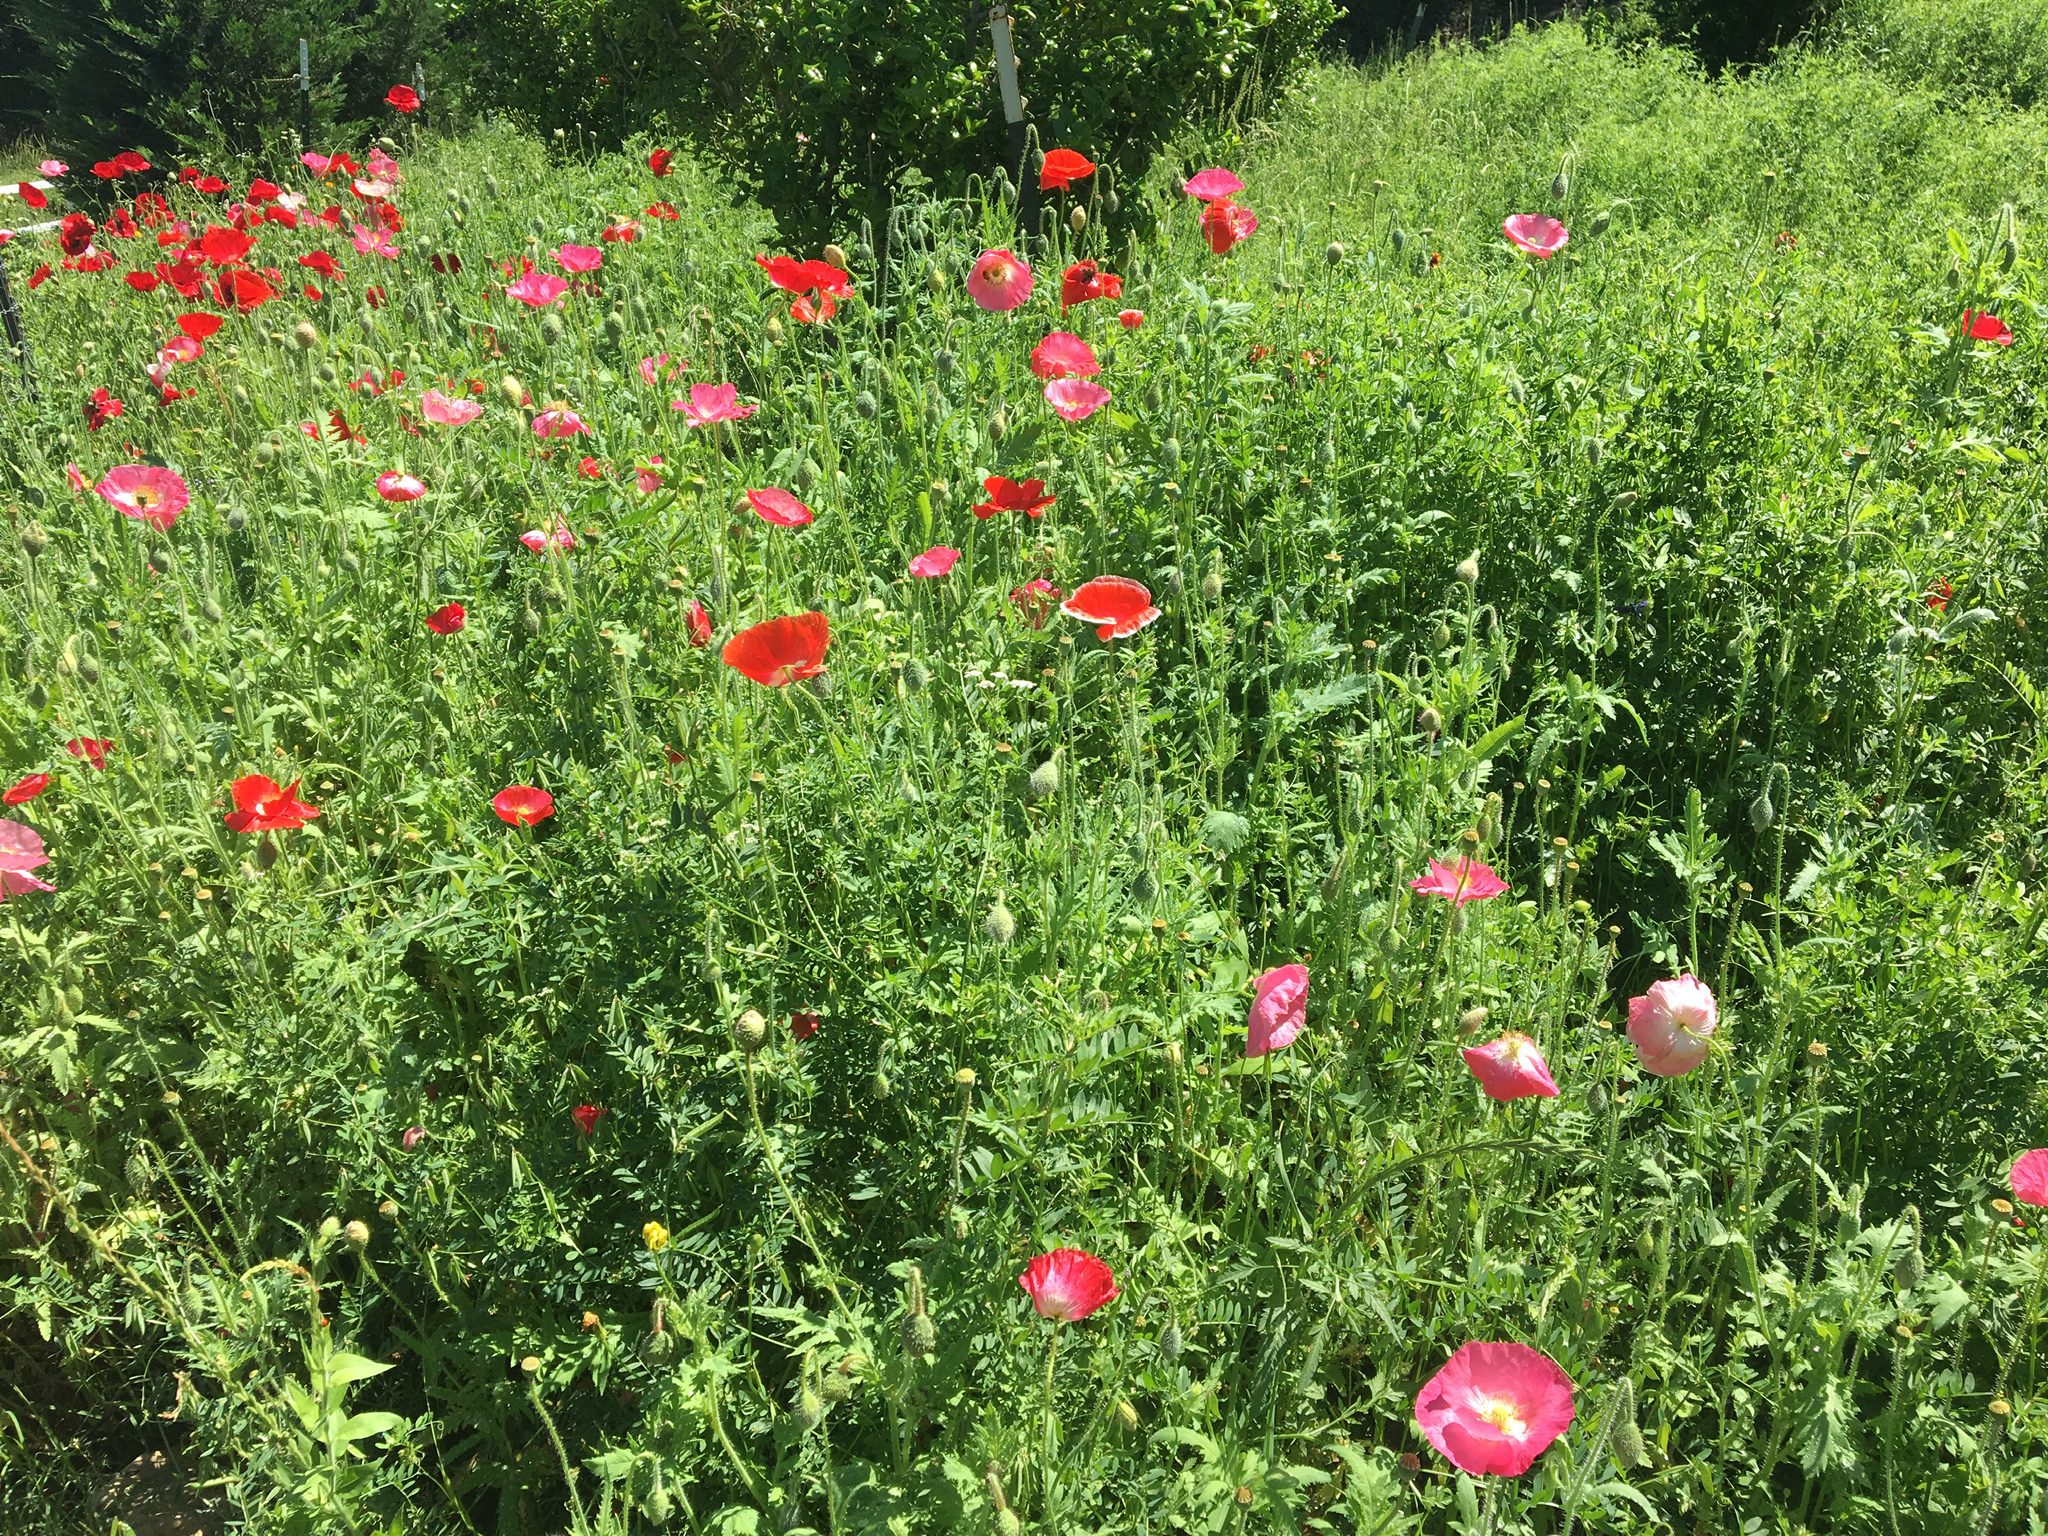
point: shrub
(1988, 48)
(822, 103)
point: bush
(821, 104)
(1987, 48)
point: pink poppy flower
(147, 492)
(1224, 223)
(1459, 881)
(559, 422)
(1494, 1408)
(1672, 1025)
(1537, 233)
(393, 485)
(1211, 185)
(1279, 1009)
(1063, 355)
(579, 258)
(999, 281)
(53, 167)
(2028, 1177)
(21, 850)
(1036, 600)
(537, 289)
(521, 805)
(540, 540)
(1512, 1067)
(1068, 1284)
(375, 242)
(935, 561)
(652, 368)
(699, 624)
(777, 506)
(1075, 399)
(1982, 327)
(1116, 605)
(414, 1135)
(379, 164)
(647, 477)
(1130, 319)
(445, 411)
(712, 403)
(91, 750)
(181, 349)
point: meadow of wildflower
(1350, 844)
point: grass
(1613, 570)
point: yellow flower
(655, 1235)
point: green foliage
(815, 106)
(1994, 49)
(1712, 477)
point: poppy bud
(750, 1031)
(1333, 253)
(513, 391)
(920, 1338)
(838, 1384)
(1472, 1020)
(1212, 585)
(1044, 782)
(998, 427)
(1849, 1219)
(1910, 1268)
(1596, 1099)
(1646, 1242)
(879, 1086)
(1078, 219)
(1126, 1414)
(657, 1506)
(1489, 818)
(1626, 1438)
(1169, 453)
(836, 255)
(265, 452)
(1000, 926)
(1399, 240)
(1170, 1341)
(358, 1235)
(34, 539)
(915, 676)
(1468, 569)
(1144, 886)
(1442, 636)
(941, 493)
(1560, 187)
(1007, 1523)
(936, 280)
(810, 1408)
(67, 659)
(530, 620)
(1600, 222)
(2008, 253)
(38, 696)
(864, 406)
(328, 374)
(138, 1171)
(330, 1229)
(1770, 178)
(1761, 812)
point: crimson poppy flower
(447, 263)
(1982, 327)
(260, 806)
(803, 1025)
(403, 98)
(91, 750)
(779, 651)
(1224, 223)
(448, 619)
(25, 789)
(658, 161)
(1007, 495)
(1939, 594)
(1130, 319)
(521, 805)
(698, 624)
(777, 506)
(586, 1117)
(224, 247)
(102, 407)
(620, 232)
(1062, 168)
(1537, 233)
(1083, 281)
(40, 276)
(33, 195)
(1036, 600)
(1063, 355)
(129, 163)
(324, 264)
(662, 211)
(1068, 1284)
(74, 234)
(141, 282)
(242, 288)
(1115, 605)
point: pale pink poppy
(1512, 1067)
(1063, 355)
(540, 540)
(652, 368)
(2028, 1177)
(446, 411)
(1494, 1408)
(375, 242)
(935, 561)
(1459, 881)
(559, 422)
(394, 485)
(181, 349)
(1075, 399)
(999, 281)
(21, 850)
(76, 476)
(1068, 1284)
(647, 477)
(1537, 233)
(537, 290)
(316, 162)
(775, 505)
(382, 165)
(53, 167)
(370, 191)
(414, 1135)
(147, 492)
(710, 404)
(1279, 1009)
(1211, 185)
(1036, 599)
(579, 258)
(1672, 1025)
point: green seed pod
(998, 427)
(1333, 253)
(1910, 1268)
(1044, 782)
(307, 335)
(941, 493)
(1000, 925)
(750, 1031)
(920, 1338)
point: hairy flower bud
(358, 1235)
(1000, 925)
(750, 1031)
(307, 335)
(34, 539)
(1044, 782)
(1627, 1436)
(1468, 569)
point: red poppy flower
(658, 162)
(521, 805)
(403, 98)
(777, 506)
(1068, 1284)
(129, 163)
(803, 1025)
(106, 170)
(1036, 600)
(1224, 224)
(224, 247)
(619, 232)
(40, 276)
(100, 409)
(1062, 168)
(586, 1117)
(1116, 605)
(662, 211)
(1982, 327)
(91, 750)
(260, 806)
(33, 195)
(244, 289)
(779, 651)
(1007, 495)
(74, 234)
(324, 264)
(212, 186)
(1083, 281)
(25, 789)
(1939, 594)
(699, 624)
(261, 191)
(142, 282)
(794, 276)
(448, 619)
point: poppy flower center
(143, 496)
(1503, 1413)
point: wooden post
(17, 340)
(1013, 114)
